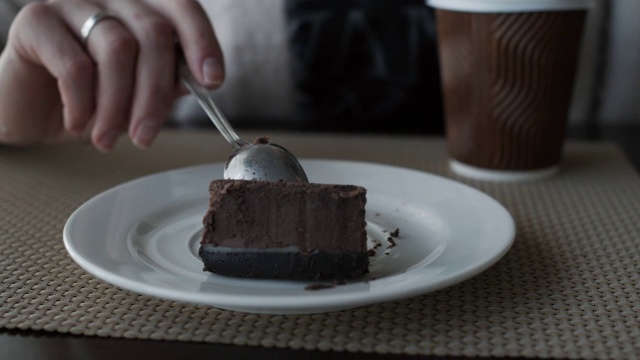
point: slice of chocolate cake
(285, 230)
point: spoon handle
(205, 100)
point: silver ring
(91, 22)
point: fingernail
(147, 131)
(212, 70)
(107, 140)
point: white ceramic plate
(143, 236)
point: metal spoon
(260, 160)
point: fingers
(155, 80)
(63, 58)
(197, 38)
(155, 24)
(124, 77)
(114, 50)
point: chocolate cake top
(267, 215)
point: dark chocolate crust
(317, 265)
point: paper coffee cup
(507, 69)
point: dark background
(365, 64)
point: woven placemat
(568, 288)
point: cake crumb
(395, 233)
(392, 243)
(261, 140)
(320, 286)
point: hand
(54, 87)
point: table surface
(29, 344)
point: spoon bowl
(264, 161)
(261, 160)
